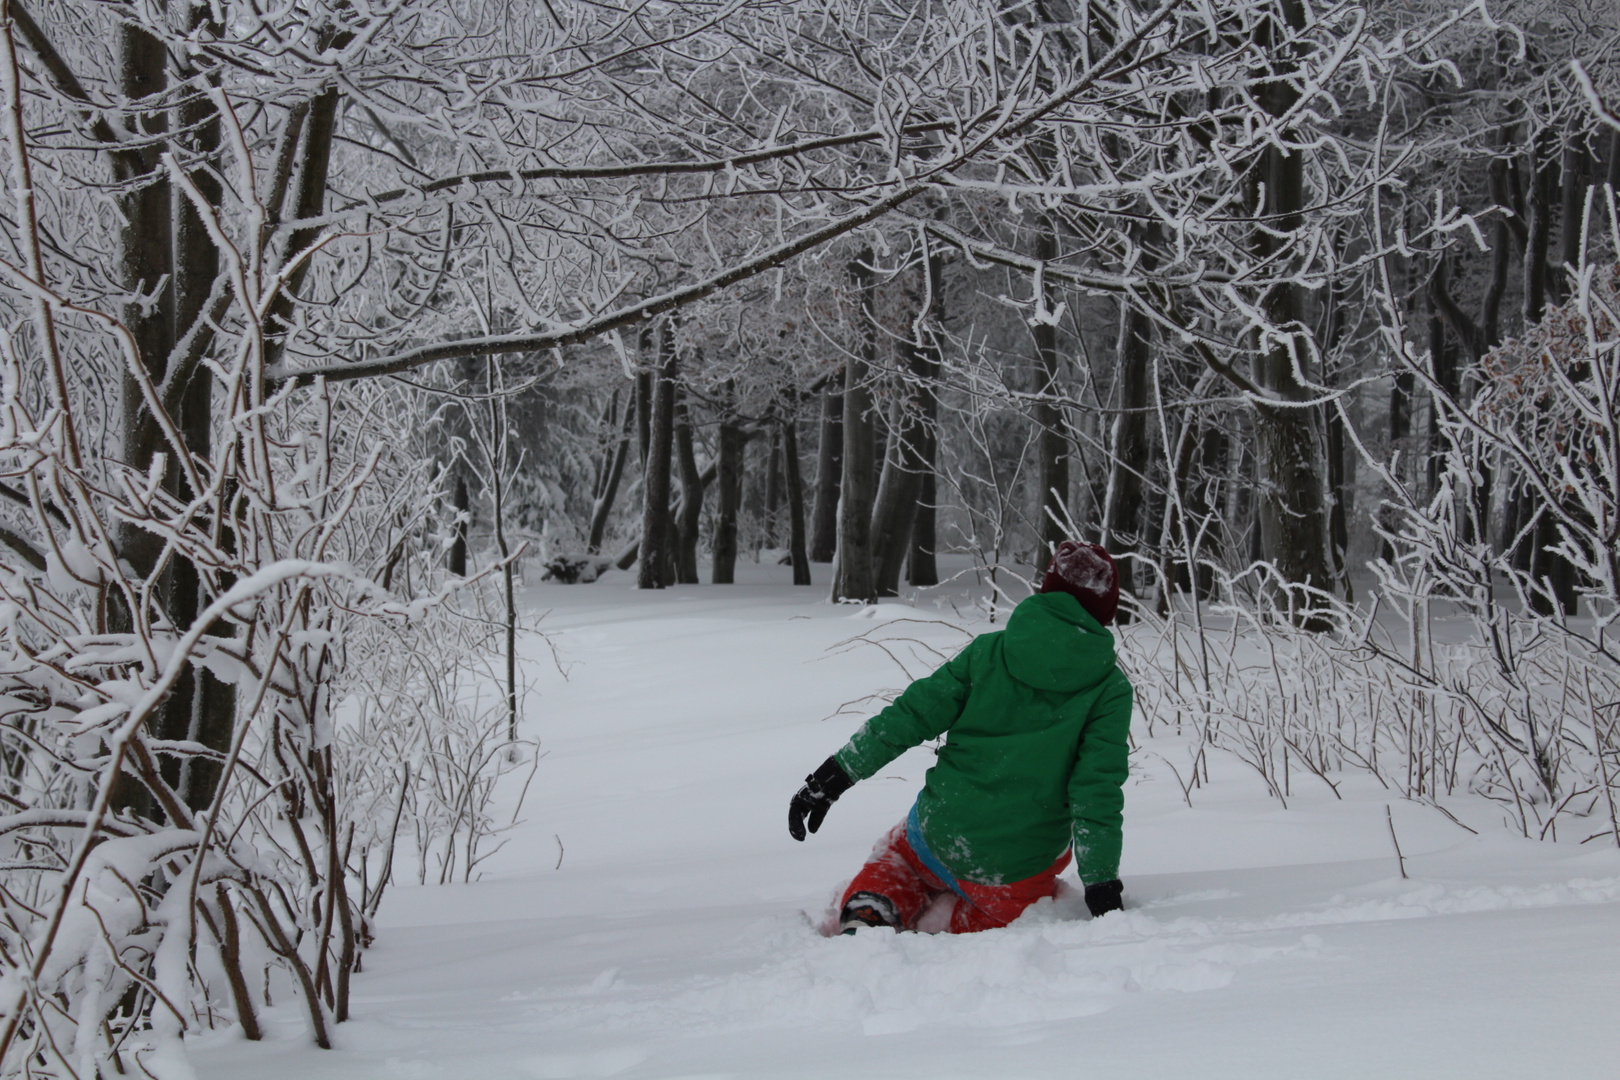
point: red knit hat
(1087, 573)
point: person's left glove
(1103, 897)
(821, 789)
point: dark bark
(1468, 332)
(1540, 228)
(773, 487)
(230, 954)
(1400, 405)
(309, 201)
(921, 568)
(1571, 214)
(1544, 283)
(1293, 519)
(1200, 505)
(655, 518)
(1338, 471)
(1131, 455)
(1339, 517)
(793, 480)
(829, 471)
(852, 578)
(895, 508)
(146, 266)
(599, 469)
(686, 570)
(461, 504)
(602, 505)
(316, 123)
(880, 433)
(470, 374)
(1502, 236)
(631, 551)
(1054, 441)
(644, 398)
(206, 706)
(729, 498)
(1176, 572)
(145, 269)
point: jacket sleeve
(1097, 785)
(925, 711)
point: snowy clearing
(650, 918)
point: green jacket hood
(1052, 643)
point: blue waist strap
(914, 837)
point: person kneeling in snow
(1036, 720)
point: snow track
(681, 934)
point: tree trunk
(921, 568)
(1572, 177)
(1054, 441)
(207, 705)
(1540, 211)
(852, 578)
(686, 571)
(729, 502)
(655, 523)
(1338, 466)
(145, 269)
(644, 400)
(1130, 455)
(602, 506)
(793, 480)
(1339, 520)
(895, 508)
(309, 202)
(879, 417)
(462, 505)
(1502, 234)
(1174, 572)
(900, 487)
(1543, 284)
(1200, 506)
(829, 471)
(1402, 400)
(632, 549)
(773, 487)
(1293, 519)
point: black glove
(821, 789)
(1103, 897)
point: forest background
(327, 320)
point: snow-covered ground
(651, 918)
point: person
(1036, 720)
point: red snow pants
(894, 871)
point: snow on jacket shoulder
(1036, 720)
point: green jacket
(1037, 722)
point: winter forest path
(676, 938)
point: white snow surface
(680, 935)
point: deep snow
(678, 938)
